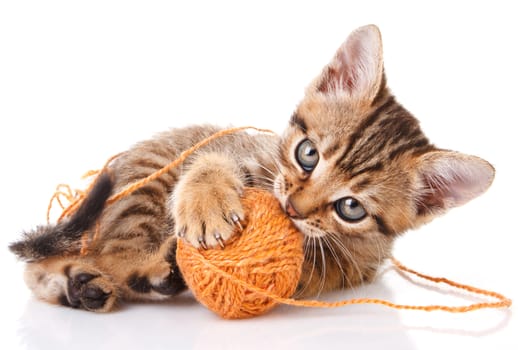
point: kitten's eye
(307, 155)
(349, 209)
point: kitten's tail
(65, 236)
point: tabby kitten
(353, 170)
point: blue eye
(349, 209)
(306, 155)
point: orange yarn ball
(266, 254)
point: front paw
(207, 204)
(208, 218)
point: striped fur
(370, 150)
(373, 150)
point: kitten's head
(355, 165)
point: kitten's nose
(292, 211)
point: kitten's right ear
(356, 71)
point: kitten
(353, 170)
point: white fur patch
(44, 285)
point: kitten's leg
(141, 274)
(73, 282)
(206, 202)
(98, 282)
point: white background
(80, 81)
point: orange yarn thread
(260, 267)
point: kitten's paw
(207, 204)
(209, 219)
(88, 289)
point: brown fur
(370, 149)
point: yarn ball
(267, 254)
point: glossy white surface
(82, 81)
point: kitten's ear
(357, 68)
(449, 179)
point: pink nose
(292, 211)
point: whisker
(349, 257)
(268, 170)
(263, 182)
(328, 241)
(377, 252)
(309, 252)
(264, 179)
(324, 268)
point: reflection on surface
(184, 324)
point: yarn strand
(138, 184)
(503, 302)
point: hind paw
(88, 290)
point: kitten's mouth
(301, 224)
(306, 229)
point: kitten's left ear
(449, 179)
(357, 68)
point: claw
(236, 221)
(182, 232)
(202, 242)
(218, 238)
